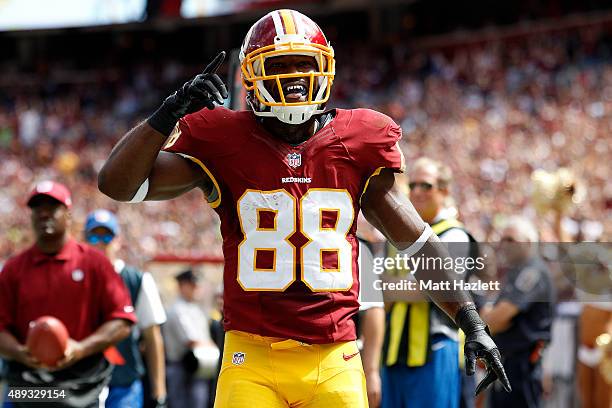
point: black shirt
(529, 287)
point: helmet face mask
(286, 33)
(294, 83)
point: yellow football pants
(269, 372)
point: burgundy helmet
(286, 32)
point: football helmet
(286, 32)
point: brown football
(47, 340)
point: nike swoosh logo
(347, 358)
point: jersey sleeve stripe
(376, 173)
(216, 190)
(402, 158)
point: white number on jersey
(273, 239)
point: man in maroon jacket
(73, 282)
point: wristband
(141, 194)
(418, 244)
(162, 121)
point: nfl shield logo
(238, 358)
(294, 160)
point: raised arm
(397, 219)
(137, 164)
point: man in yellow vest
(421, 345)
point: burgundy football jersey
(288, 216)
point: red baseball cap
(52, 189)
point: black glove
(480, 346)
(201, 91)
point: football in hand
(47, 340)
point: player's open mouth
(295, 92)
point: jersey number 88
(274, 239)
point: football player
(287, 179)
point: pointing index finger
(501, 375)
(215, 63)
(498, 368)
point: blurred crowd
(494, 112)
(65, 133)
